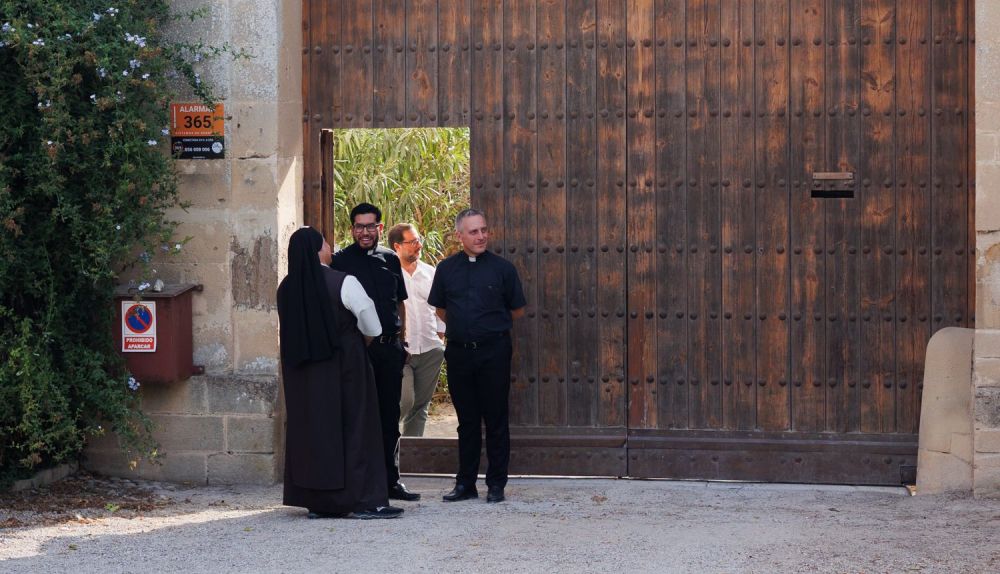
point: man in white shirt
(424, 331)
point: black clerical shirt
(379, 272)
(478, 295)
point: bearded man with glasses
(379, 272)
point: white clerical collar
(472, 259)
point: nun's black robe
(333, 460)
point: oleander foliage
(84, 185)
(414, 175)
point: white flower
(177, 246)
(133, 63)
(38, 42)
(30, 26)
(112, 11)
(145, 76)
(165, 131)
(96, 17)
(48, 142)
(150, 142)
(67, 36)
(6, 28)
(93, 98)
(102, 72)
(132, 383)
(124, 72)
(135, 39)
(118, 227)
(143, 286)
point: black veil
(308, 324)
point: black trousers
(387, 362)
(479, 384)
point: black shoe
(495, 494)
(378, 512)
(313, 514)
(398, 492)
(461, 492)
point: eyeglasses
(370, 228)
(414, 241)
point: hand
(441, 336)
(368, 340)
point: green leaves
(414, 175)
(84, 184)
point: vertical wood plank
(550, 47)
(740, 225)
(703, 164)
(611, 208)
(641, 215)
(671, 214)
(357, 93)
(518, 119)
(807, 157)
(582, 231)
(877, 401)
(454, 63)
(970, 165)
(949, 160)
(772, 215)
(842, 216)
(389, 62)
(912, 161)
(310, 77)
(486, 135)
(421, 62)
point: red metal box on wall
(154, 332)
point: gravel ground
(547, 525)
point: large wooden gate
(738, 222)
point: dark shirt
(380, 274)
(477, 295)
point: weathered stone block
(255, 187)
(189, 432)
(987, 475)
(187, 397)
(942, 472)
(250, 434)
(204, 185)
(986, 405)
(254, 129)
(254, 271)
(987, 200)
(988, 441)
(986, 373)
(256, 341)
(180, 467)
(987, 344)
(241, 469)
(242, 394)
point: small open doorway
(419, 176)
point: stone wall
(986, 358)
(222, 427)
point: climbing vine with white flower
(85, 179)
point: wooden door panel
(649, 168)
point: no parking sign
(138, 327)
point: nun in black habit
(333, 450)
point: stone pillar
(986, 362)
(225, 427)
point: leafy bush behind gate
(84, 184)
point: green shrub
(414, 175)
(84, 183)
